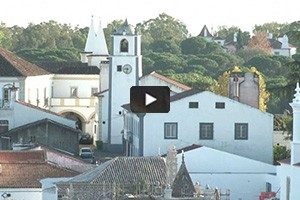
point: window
(74, 92)
(220, 105)
(241, 131)
(206, 131)
(6, 95)
(268, 187)
(37, 97)
(124, 45)
(193, 105)
(3, 126)
(119, 68)
(170, 130)
(94, 91)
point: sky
(193, 13)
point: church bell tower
(125, 69)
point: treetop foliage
(168, 48)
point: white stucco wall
(103, 115)
(293, 172)
(258, 146)
(23, 114)
(38, 87)
(62, 85)
(245, 178)
(22, 193)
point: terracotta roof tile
(25, 169)
(68, 67)
(15, 157)
(171, 81)
(288, 161)
(12, 65)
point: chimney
(295, 144)
(13, 94)
(171, 164)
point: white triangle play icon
(149, 99)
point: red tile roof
(12, 65)
(171, 81)
(288, 162)
(25, 169)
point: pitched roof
(185, 149)
(37, 108)
(64, 159)
(184, 94)
(172, 98)
(183, 185)
(42, 121)
(12, 65)
(171, 81)
(288, 162)
(125, 27)
(126, 170)
(25, 169)
(208, 34)
(69, 67)
(275, 44)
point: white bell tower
(124, 72)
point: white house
(245, 178)
(202, 118)
(289, 171)
(281, 45)
(18, 113)
(66, 88)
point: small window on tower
(119, 68)
(124, 45)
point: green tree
(294, 34)
(164, 27)
(36, 55)
(195, 80)
(165, 61)
(227, 33)
(273, 27)
(5, 37)
(249, 53)
(280, 152)
(193, 45)
(168, 46)
(108, 32)
(266, 65)
(294, 69)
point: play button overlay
(150, 99)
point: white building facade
(240, 177)
(202, 118)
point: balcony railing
(72, 102)
(5, 104)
